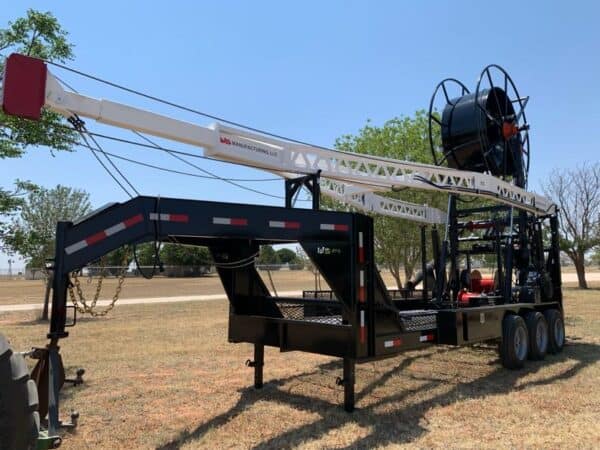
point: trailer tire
(514, 345)
(537, 328)
(19, 417)
(556, 330)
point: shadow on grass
(577, 288)
(37, 321)
(399, 426)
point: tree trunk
(580, 268)
(409, 270)
(395, 271)
(47, 295)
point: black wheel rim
(441, 92)
(541, 336)
(515, 130)
(559, 332)
(520, 343)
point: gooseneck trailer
(485, 146)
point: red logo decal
(224, 140)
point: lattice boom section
(368, 201)
(370, 172)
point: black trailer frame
(360, 320)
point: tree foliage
(287, 256)
(176, 259)
(268, 255)
(145, 254)
(33, 231)
(116, 258)
(185, 255)
(595, 259)
(397, 242)
(577, 193)
(40, 35)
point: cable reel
(483, 131)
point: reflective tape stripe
(170, 217)
(133, 220)
(101, 235)
(426, 338)
(163, 217)
(178, 218)
(115, 228)
(75, 247)
(362, 327)
(392, 343)
(361, 249)
(333, 227)
(284, 224)
(230, 221)
(91, 240)
(361, 287)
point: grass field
(32, 291)
(164, 376)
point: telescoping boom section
(29, 88)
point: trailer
(485, 146)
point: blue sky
(315, 71)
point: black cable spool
(483, 131)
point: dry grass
(164, 376)
(32, 291)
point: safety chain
(81, 304)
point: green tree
(577, 194)
(116, 259)
(32, 232)
(287, 256)
(595, 259)
(185, 255)
(268, 256)
(145, 254)
(40, 35)
(397, 242)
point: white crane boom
(352, 178)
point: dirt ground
(164, 376)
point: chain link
(81, 304)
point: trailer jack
(258, 363)
(49, 377)
(46, 441)
(50, 438)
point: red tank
(479, 285)
(483, 284)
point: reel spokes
(483, 131)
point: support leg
(53, 389)
(349, 384)
(259, 362)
